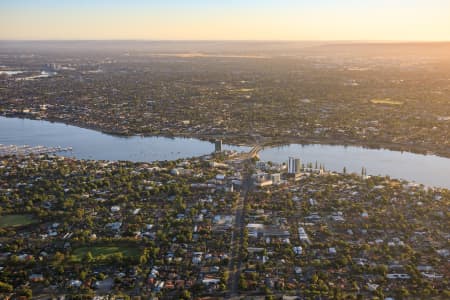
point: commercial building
(294, 165)
(276, 178)
(218, 146)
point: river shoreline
(266, 142)
(430, 170)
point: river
(429, 170)
(91, 144)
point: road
(237, 239)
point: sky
(393, 20)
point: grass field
(387, 101)
(103, 252)
(16, 220)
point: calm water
(429, 170)
(89, 144)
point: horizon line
(223, 40)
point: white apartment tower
(294, 165)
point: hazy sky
(226, 19)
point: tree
(243, 285)
(58, 258)
(25, 292)
(225, 276)
(83, 275)
(88, 258)
(404, 292)
(185, 294)
(5, 287)
(143, 259)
